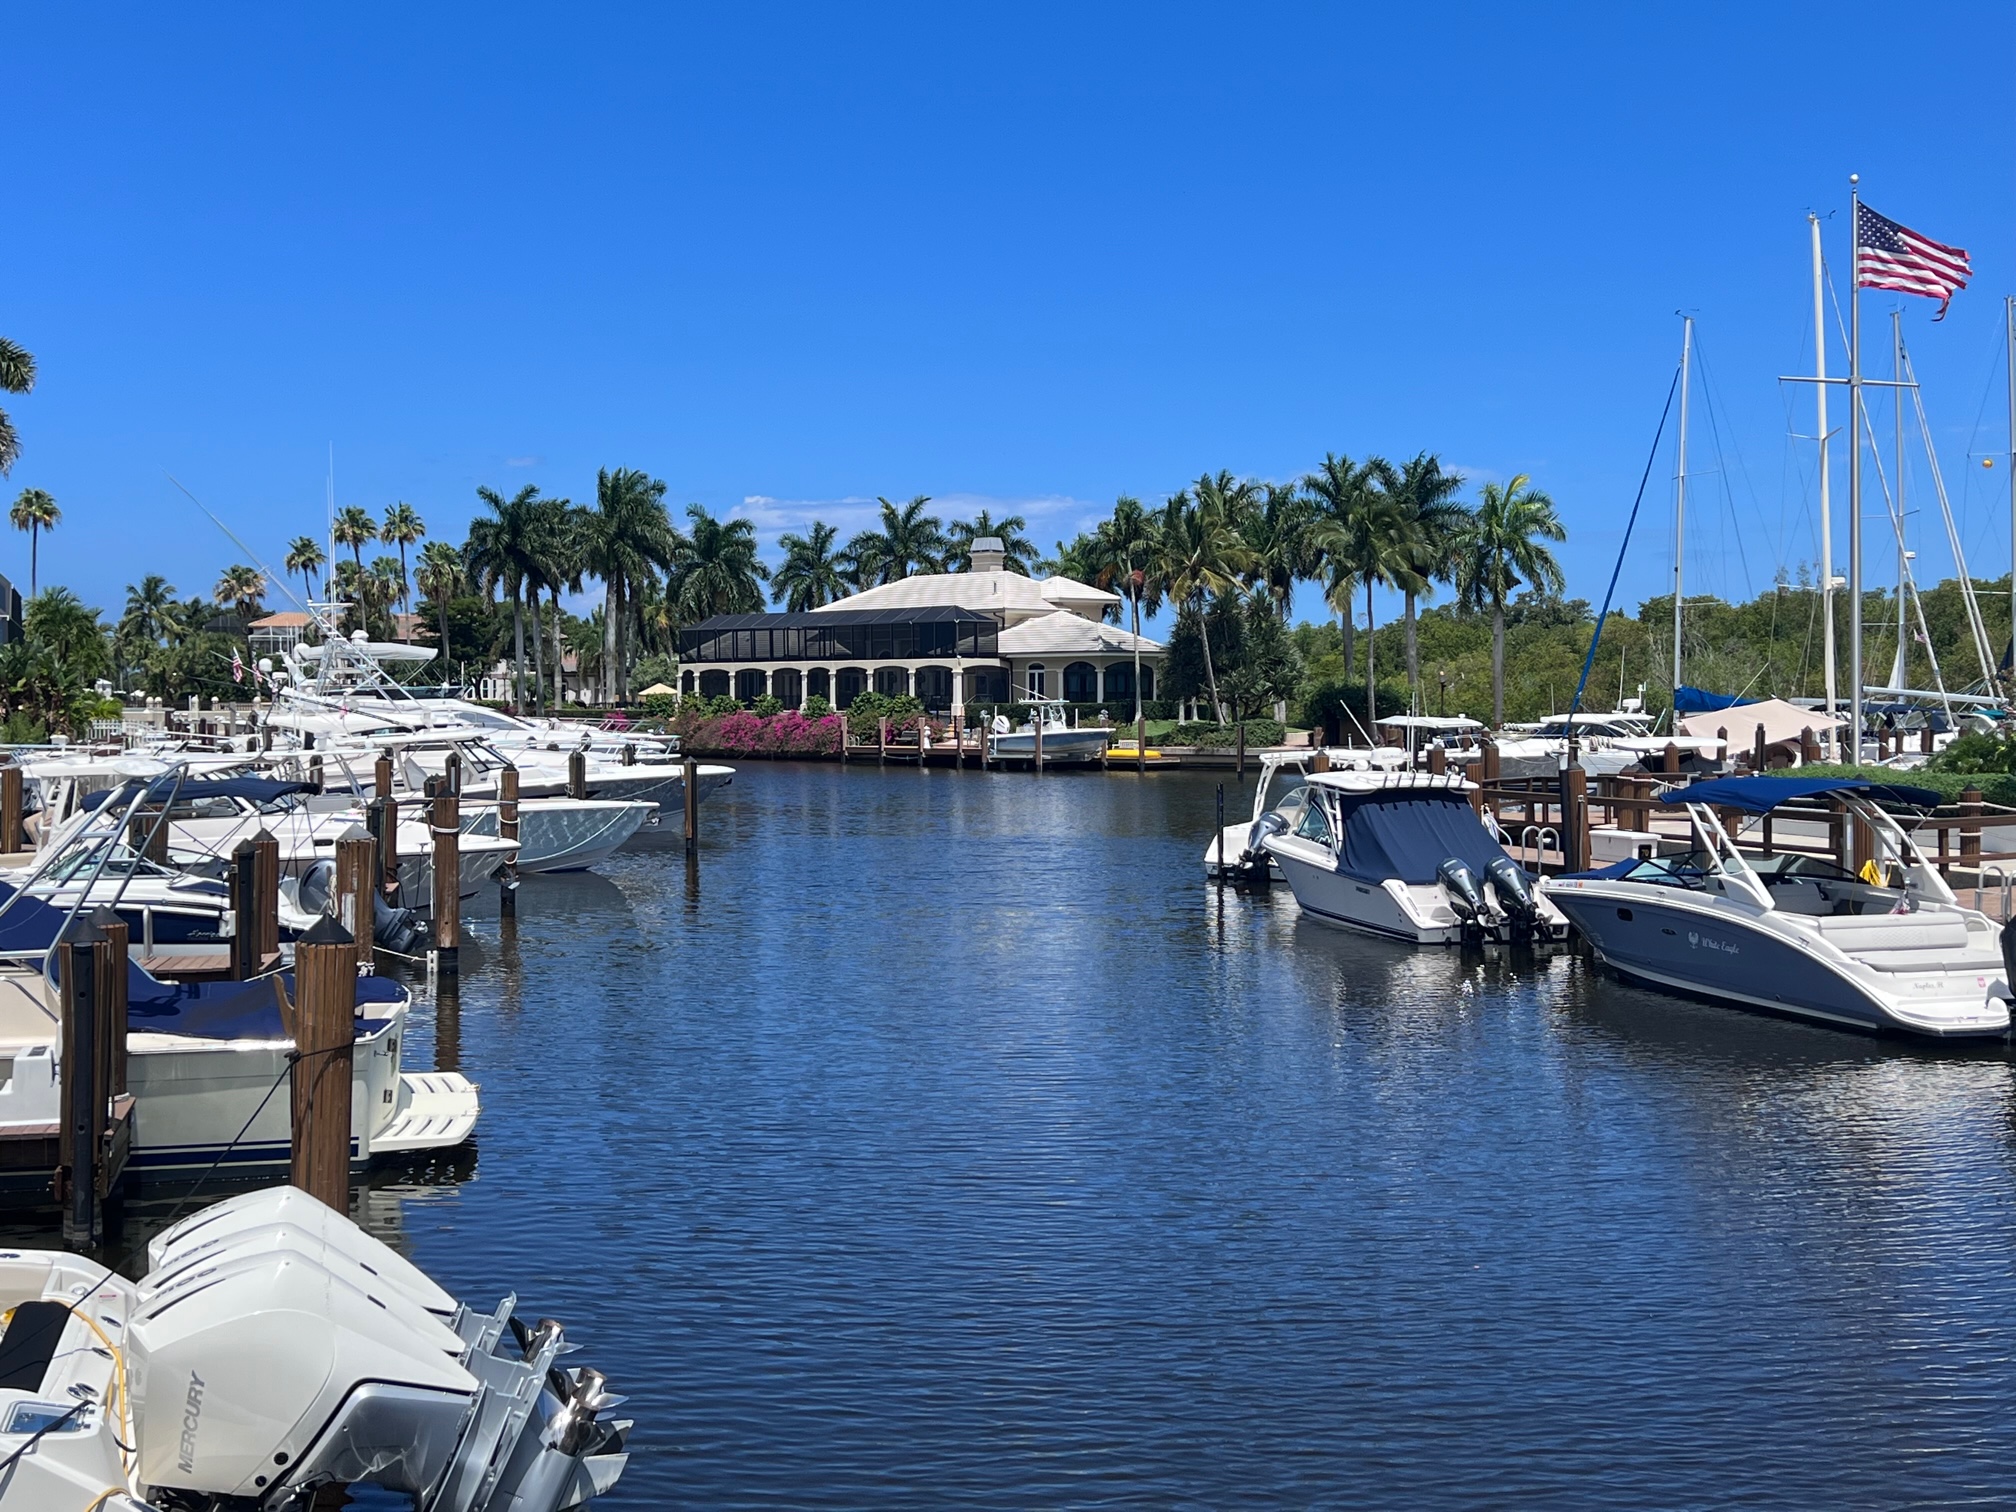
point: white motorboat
(1237, 847)
(1404, 855)
(1795, 933)
(1061, 740)
(272, 1348)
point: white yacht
(1795, 933)
(1404, 855)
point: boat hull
(1329, 897)
(1058, 745)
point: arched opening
(789, 686)
(819, 684)
(934, 688)
(892, 682)
(685, 683)
(714, 684)
(1081, 683)
(1120, 686)
(852, 682)
(986, 685)
(1147, 681)
(1035, 681)
(751, 683)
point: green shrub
(768, 705)
(660, 705)
(817, 707)
(901, 710)
(1259, 732)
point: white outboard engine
(1515, 894)
(274, 1347)
(1465, 890)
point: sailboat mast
(2009, 342)
(1899, 669)
(1680, 507)
(1826, 507)
(1854, 474)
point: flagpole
(1900, 669)
(1680, 510)
(1826, 508)
(2009, 317)
(1855, 473)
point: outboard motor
(397, 929)
(1255, 860)
(1515, 894)
(1466, 892)
(2009, 955)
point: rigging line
(1708, 396)
(271, 577)
(1608, 593)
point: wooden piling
(83, 1088)
(382, 816)
(1925, 738)
(447, 882)
(1438, 760)
(1809, 746)
(1970, 827)
(356, 856)
(507, 828)
(315, 772)
(882, 739)
(325, 1002)
(1757, 751)
(1140, 742)
(10, 809)
(1036, 724)
(243, 886)
(1240, 771)
(577, 774)
(1574, 819)
(1669, 760)
(381, 775)
(690, 793)
(629, 753)
(266, 896)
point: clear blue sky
(790, 259)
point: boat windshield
(1691, 870)
(81, 861)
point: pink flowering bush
(746, 734)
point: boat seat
(29, 1344)
(1979, 962)
(1856, 933)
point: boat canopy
(1688, 700)
(1760, 795)
(1403, 834)
(175, 787)
(1430, 722)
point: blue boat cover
(175, 786)
(1688, 700)
(1406, 833)
(1760, 795)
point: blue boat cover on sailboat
(1760, 795)
(1404, 834)
(1688, 700)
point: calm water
(955, 1144)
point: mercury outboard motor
(1515, 894)
(1466, 892)
(401, 930)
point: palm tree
(1278, 532)
(909, 541)
(500, 554)
(627, 535)
(388, 577)
(150, 609)
(562, 564)
(1077, 559)
(34, 512)
(716, 569)
(402, 528)
(1498, 549)
(1427, 495)
(353, 527)
(810, 574)
(17, 376)
(439, 577)
(240, 587)
(305, 556)
(1123, 553)
(1374, 542)
(1334, 490)
(1199, 552)
(1018, 550)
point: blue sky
(1031, 257)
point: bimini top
(175, 786)
(1760, 795)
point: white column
(1101, 684)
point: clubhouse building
(988, 636)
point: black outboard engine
(2009, 955)
(397, 929)
(1515, 895)
(1466, 892)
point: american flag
(1890, 256)
(237, 667)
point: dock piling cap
(327, 931)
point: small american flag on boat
(1890, 256)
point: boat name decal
(192, 1414)
(1699, 941)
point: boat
(1404, 855)
(1062, 741)
(1237, 846)
(1795, 933)
(273, 1348)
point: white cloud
(523, 461)
(1049, 517)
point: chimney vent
(989, 555)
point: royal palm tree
(626, 537)
(150, 613)
(1500, 548)
(17, 376)
(562, 565)
(501, 553)
(305, 556)
(353, 527)
(909, 541)
(1123, 557)
(1334, 490)
(1373, 542)
(1077, 559)
(402, 527)
(1277, 530)
(716, 569)
(1018, 550)
(439, 575)
(1199, 553)
(1427, 496)
(34, 512)
(810, 574)
(240, 587)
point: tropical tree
(439, 576)
(625, 538)
(1199, 551)
(810, 573)
(1427, 496)
(1334, 490)
(561, 556)
(1373, 542)
(388, 577)
(353, 527)
(240, 587)
(17, 376)
(1018, 550)
(501, 553)
(1277, 530)
(402, 527)
(305, 556)
(1499, 548)
(716, 569)
(151, 616)
(34, 512)
(1077, 559)
(1123, 555)
(909, 541)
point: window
(1081, 683)
(1147, 681)
(751, 684)
(686, 682)
(986, 685)
(892, 682)
(789, 686)
(1315, 825)
(1120, 684)
(851, 681)
(1034, 680)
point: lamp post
(1442, 698)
